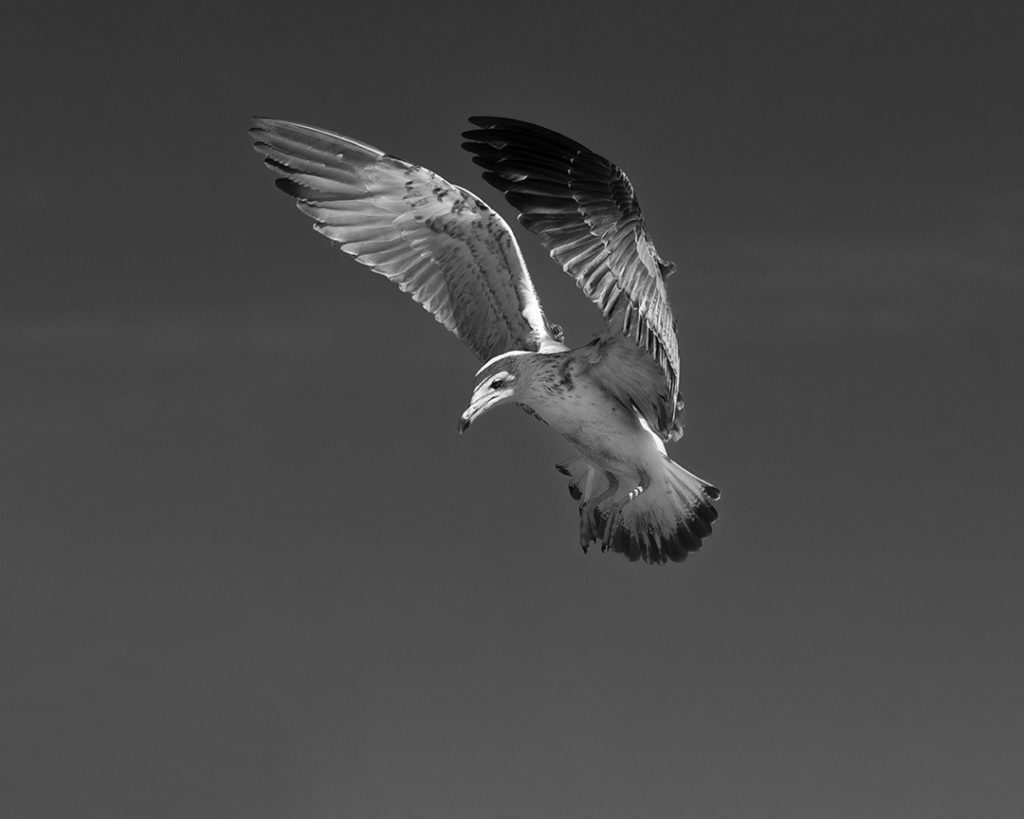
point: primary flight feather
(615, 399)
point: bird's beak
(483, 400)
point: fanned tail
(666, 521)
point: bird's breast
(604, 430)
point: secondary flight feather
(615, 399)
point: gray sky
(250, 569)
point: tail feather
(664, 523)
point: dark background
(249, 569)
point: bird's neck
(543, 377)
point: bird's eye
(497, 384)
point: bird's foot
(613, 487)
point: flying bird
(615, 399)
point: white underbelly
(611, 436)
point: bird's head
(497, 382)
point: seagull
(615, 399)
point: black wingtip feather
(525, 130)
(289, 186)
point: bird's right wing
(586, 213)
(436, 241)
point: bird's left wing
(438, 242)
(586, 213)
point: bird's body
(634, 499)
(615, 399)
(608, 434)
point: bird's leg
(566, 469)
(636, 492)
(613, 487)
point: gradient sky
(249, 569)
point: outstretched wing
(436, 241)
(585, 211)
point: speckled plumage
(616, 400)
